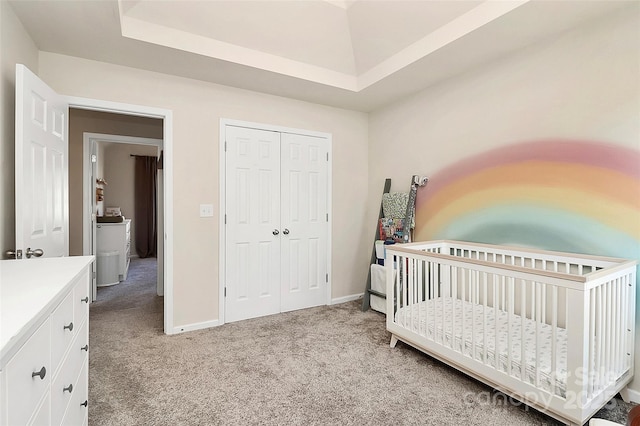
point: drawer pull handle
(70, 326)
(85, 300)
(41, 373)
(85, 348)
(85, 403)
(68, 388)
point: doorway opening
(116, 217)
(110, 158)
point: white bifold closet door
(276, 222)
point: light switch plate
(206, 210)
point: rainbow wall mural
(575, 196)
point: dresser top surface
(28, 291)
(123, 223)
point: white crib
(554, 330)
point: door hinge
(327, 156)
(327, 277)
(225, 292)
(225, 218)
(225, 146)
(327, 217)
(94, 158)
(94, 275)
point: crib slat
(504, 294)
(472, 288)
(398, 297)
(538, 317)
(523, 342)
(454, 297)
(463, 333)
(554, 337)
(510, 299)
(410, 285)
(421, 299)
(438, 294)
(403, 279)
(443, 315)
(608, 330)
(484, 317)
(432, 323)
(621, 327)
(630, 299)
(617, 326)
(592, 337)
(599, 343)
(496, 343)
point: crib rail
(545, 327)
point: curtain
(146, 234)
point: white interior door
(42, 194)
(253, 236)
(304, 221)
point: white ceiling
(357, 54)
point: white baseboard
(630, 394)
(345, 299)
(195, 326)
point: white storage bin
(108, 262)
(378, 283)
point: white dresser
(44, 337)
(116, 237)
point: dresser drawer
(63, 330)
(81, 299)
(41, 417)
(26, 387)
(3, 399)
(78, 409)
(63, 386)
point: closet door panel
(304, 171)
(253, 215)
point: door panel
(42, 212)
(304, 215)
(253, 213)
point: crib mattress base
(441, 320)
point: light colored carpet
(326, 365)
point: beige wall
(119, 172)
(15, 47)
(583, 86)
(197, 108)
(81, 121)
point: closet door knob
(70, 326)
(41, 373)
(85, 348)
(68, 388)
(36, 253)
(85, 300)
(85, 403)
(275, 232)
(286, 231)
